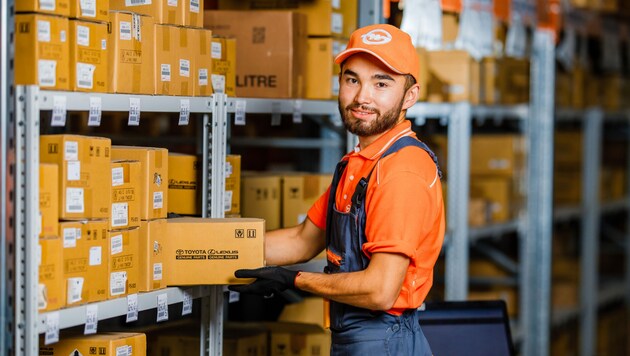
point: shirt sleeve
(401, 213)
(317, 212)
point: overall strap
(359, 193)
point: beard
(361, 128)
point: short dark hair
(409, 81)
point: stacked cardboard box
(106, 344)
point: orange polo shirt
(404, 209)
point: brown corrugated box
(53, 7)
(107, 344)
(42, 51)
(151, 250)
(49, 199)
(126, 181)
(124, 262)
(51, 286)
(322, 74)
(453, 76)
(92, 10)
(89, 66)
(271, 50)
(131, 53)
(223, 77)
(203, 63)
(161, 10)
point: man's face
(371, 96)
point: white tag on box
(75, 202)
(83, 35)
(75, 289)
(96, 255)
(116, 244)
(47, 73)
(157, 271)
(73, 170)
(85, 75)
(124, 32)
(117, 283)
(43, 31)
(118, 176)
(158, 200)
(88, 8)
(120, 214)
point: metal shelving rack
(593, 294)
(30, 101)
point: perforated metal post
(456, 243)
(27, 208)
(589, 259)
(535, 244)
(213, 191)
(7, 180)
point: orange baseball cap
(387, 43)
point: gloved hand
(269, 280)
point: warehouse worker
(382, 218)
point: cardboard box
(260, 198)
(567, 187)
(299, 192)
(203, 63)
(223, 77)
(107, 344)
(195, 246)
(256, 344)
(185, 56)
(498, 192)
(84, 174)
(42, 51)
(124, 262)
(568, 150)
(453, 76)
(322, 74)
(165, 60)
(232, 185)
(151, 260)
(131, 54)
(578, 86)
(184, 196)
(514, 81)
(48, 199)
(423, 76)
(496, 155)
(85, 260)
(89, 67)
(52, 7)
(154, 178)
(284, 343)
(193, 13)
(126, 181)
(271, 50)
(478, 211)
(450, 29)
(592, 90)
(93, 10)
(51, 286)
(325, 18)
(612, 87)
(310, 310)
(162, 11)
(176, 345)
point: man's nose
(364, 95)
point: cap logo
(376, 37)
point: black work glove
(269, 280)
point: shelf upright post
(627, 241)
(7, 179)
(456, 242)
(535, 244)
(27, 208)
(589, 259)
(213, 190)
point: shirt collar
(378, 147)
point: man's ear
(411, 96)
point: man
(382, 218)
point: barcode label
(336, 4)
(157, 200)
(157, 271)
(172, 3)
(69, 237)
(118, 176)
(117, 244)
(75, 288)
(120, 214)
(47, 72)
(137, 2)
(52, 328)
(74, 200)
(73, 170)
(227, 199)
(239, 112)
(194, 6)
(187, 302)
(59, 111)
(336, 23)
(184, 112)
(48, 5)
(96, 256)
(165, 72)
(203, 76)
(124, 350)
(125, 31)
(83, 35)
(132, 308)
(43, 31)
(88, 8)
(71, 150)
(184, 67)
(94, 118)
(91, 319)
(117, 283)
(162, 307)
(62, 36)
(134, 112)
(218, 83)
(297, 112)
(215, 50)
(85, 75)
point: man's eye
(381, 85)
(352, 80)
